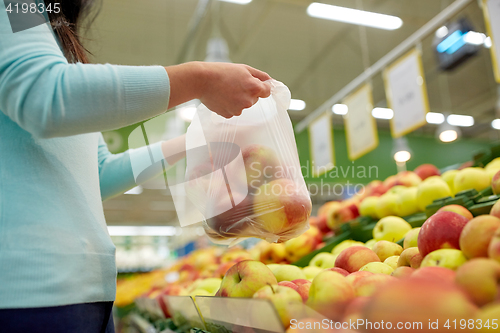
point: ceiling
(315, 58)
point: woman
(57, 265)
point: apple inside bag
(243, 174)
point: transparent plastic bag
(243, 174)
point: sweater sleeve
(48, 97)
(120, 172)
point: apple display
(441, 231)
(406, 202)
(435, 273)
(449, 178)
(355, 257)
(377, 268)
(392, 261)
(368, 206)
(280, 206)
(471, 178)
(286, 272)
(425, 171)
(418, 301)
(431, 189)
(448, 258)
(282, 298)
(367, 286)
(410, 257)
(245, 278)
(403, 272)
(477, 234)
(480, 278)
(457, 209)
(391, 228)
(329, 293)
(385, 249)
(411, 238)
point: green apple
(392, 261)
(431, 189)
(448, 258)
(344, 245)
(286, 272)
(282, 298)
(391, 228)
(385, 249)
(377, 268)
(411, 238)
(245, 278)
(323, 260)
(406, 203)
(311, 271)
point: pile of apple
(449, 269)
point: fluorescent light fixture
(354, 16)
(402, 156)
(487, 42)
(187, 113)
(452, 43)
(448, 135)
(434, 118)
(474, 38)
(136, 190)
(297, 105)
(442, 32)
(340, 109)
(459, 120)
(496, 124)
(141, 230)
(240, 2)
(382, 113)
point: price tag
(406, 94)
(491, 9)
(361, 128)
(321, 145)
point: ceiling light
(448, 136)
(382, 113)
(240, 2)
(401, 150)
(136, 190)
(340, 109)
(434, 118)
(442, 32)
(141, 230)
(496, 124)
(487, 42)
(459, 120)
(297, 105)
(354, 16)
(474, 38)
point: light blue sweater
(55, 168)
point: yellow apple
(471, 178)
(479, 278)
(477, 234)
(392, 261)
(489, 316)
(245, 278)
(377, 268)
(384, 249)
(431, 189)
(323, 260)
(406, 203)
(411, 238)
(311, 271)
(386, 205)
(344, 245)
(368, 207)
(448, 258)
(369, 244)
(410, 257)
(366, 286)
(286, 272)
(449, 178)
(391, 228)
(282, 298)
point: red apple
(494, 247)
(457, 209)
(495, 183)
(245, 278)
(338, 270)
(427, 170)
(441, 231)
(355, 276)
(435, 273)
(403, 272)
(261, 165)
(288, 284)
(303, 287)
(408, 179)
(355, 257)
(477, 234)
(369, 284)
(410, 257)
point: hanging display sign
(360, 126)
(406, 94)
(321, 145)
(491, 10)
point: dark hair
(66, 25)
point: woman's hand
(224, 88)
